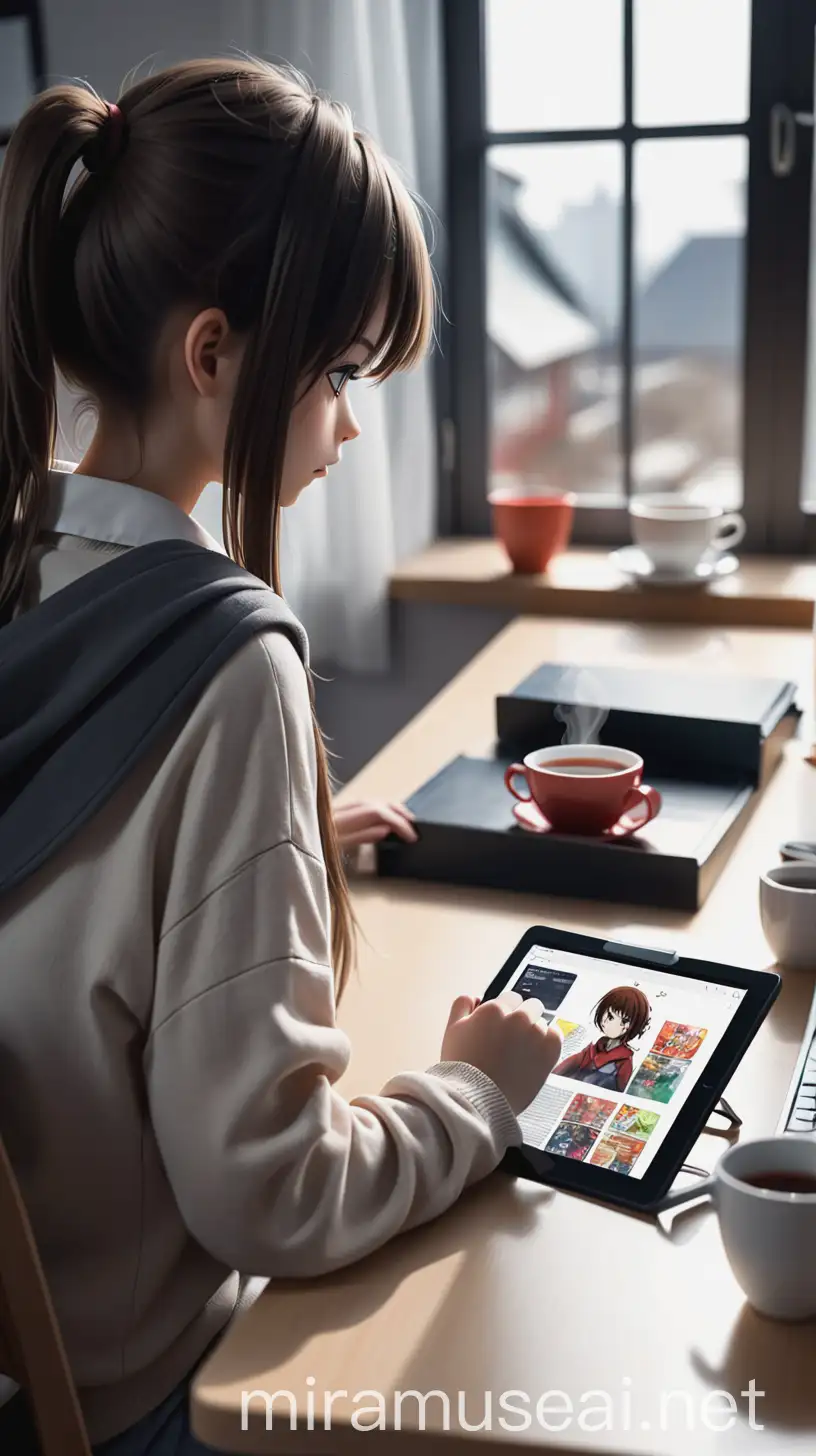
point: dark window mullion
(627, 132)
(792, 213)
(26, 10)
(467, 275)
(776, 282)
(532, 138)
(759, 293)
(37, 43)
(627, 421)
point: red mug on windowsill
(532, 528)
(586, 788)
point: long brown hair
(235, 185)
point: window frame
(26, 10)
(776, 266)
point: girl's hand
(371, 821)
(508, 1040)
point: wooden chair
(31, 1348)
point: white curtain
(342, 539)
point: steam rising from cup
(584, 719)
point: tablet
(651, 1040)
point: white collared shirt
(122, 515)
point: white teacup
(787, 907)
(676, 535)
(769, 1236)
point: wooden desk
(518, 1288)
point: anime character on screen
(621, 1016)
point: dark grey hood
(91, 677)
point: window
(21, 60)
(630, 198)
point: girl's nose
(349, 428)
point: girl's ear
(208, 345)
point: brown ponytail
(46, 146)
(233, 184)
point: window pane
(553, 316)
(692, 60)
(554, 65)
(16, 77)
(688, 325)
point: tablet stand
(726, 1110)
(732, 1118)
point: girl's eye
(339, 378)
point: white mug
(677, 535)
(787, 907)
(769, 1236)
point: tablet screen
(635, 1045)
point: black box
(469, 836)
(698, 727)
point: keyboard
(799, 1114)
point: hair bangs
(408, 280)
(378, 255)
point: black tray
(469, 836)
(706, 728)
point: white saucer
(635, 564)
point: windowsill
(766, 592)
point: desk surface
(517, 1288)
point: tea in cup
(585, 788)
(764, 1192)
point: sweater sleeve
(274, 1172)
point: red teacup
(532, 529)
(586, 788)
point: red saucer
(531, 818)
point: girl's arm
(274, 1171)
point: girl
(230, 255)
